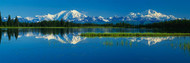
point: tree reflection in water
(133, 42)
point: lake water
(66, 46)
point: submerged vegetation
(118, 43)
(185, 46)
(132, 34)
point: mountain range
(148, 16)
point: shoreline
(61, 27)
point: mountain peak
(100, 17)
(76, 16)
(18, 16)
(149, 11)
(74, 11)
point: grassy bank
(60, 27)
(132, 34)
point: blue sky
(178, 8)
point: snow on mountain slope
(60, 14)
(46, 17)
(29, 18)
(72, 15)
(4, 18)
(148, 16)
(102, 19)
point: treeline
(10, 22)
(63, 23)
(173, 24)
(54, 23)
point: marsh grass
(132, 34)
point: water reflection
(49, 34)
(31, 44)
(65, 35)
(150, 40)
(71, 35)
(182, 43)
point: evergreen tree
(16, 22)
(9, 21)
(12, 22)
(1, 22)
(62, 23)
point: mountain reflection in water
(63, 35)
(71, 35)
(63, 45)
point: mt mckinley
(148, 16)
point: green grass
(60, 27)
(132, 34)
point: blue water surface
(66, 46)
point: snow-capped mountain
(72, 15)
(4, 18)
(147, 16)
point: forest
(173, 24)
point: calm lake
(66, 46)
